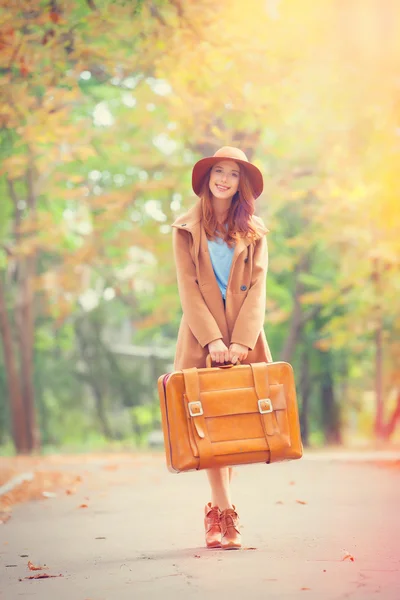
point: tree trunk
(100, 409)
(42, 410)
(29, 317)
(305, 390)
(24, 310)
(388, 429)
(297, 321)
(125, 391)
(23, 318)
(330, 408)
(94, 382)
(379, 426)
(19, 425)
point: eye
(235, 174)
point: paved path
(141, 535)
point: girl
(221, 259)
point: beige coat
(204, 317)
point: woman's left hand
(237, 352)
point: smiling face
(224, 179)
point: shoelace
(230, 520)
(213, 516)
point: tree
(106, 105)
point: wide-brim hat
(202, 167)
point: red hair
(239, 220)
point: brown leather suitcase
(229, 415)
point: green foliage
(109, 109)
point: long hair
(240, 213)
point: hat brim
(202, 167)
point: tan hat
(201, 168)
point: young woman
(221, 259)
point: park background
(105, 107)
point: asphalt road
(140, 535)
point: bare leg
(219, 479)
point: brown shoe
(212, 526)
(231, 538)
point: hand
(218, 351)
(237, 352)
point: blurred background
(105, 107)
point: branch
(13, 195)
(178, 7)
(30, 177)
(156, 13)
(7, 250)
(302, 172)
(314, 312)
(14, 55)
(391, 425)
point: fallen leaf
(279, 502)
(100, 538)
(348, 556)
(49, 495)
(42, 576)
(4, 518)
(32, 567)
(197, 555)
(70, 491)
(304, 588)
(110, 467)
(292, 482)
(24, 555)
(11, 565)
(249, 548)
(25, 482)
(301, 502)
(83, 506)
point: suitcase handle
(229, 366)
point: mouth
(221, 188)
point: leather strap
(268, 420)
(192, 388)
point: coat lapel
(241, 245)
(208, 271)
(191, 221)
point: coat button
(246, 259)
(183, 224)
(243, 288)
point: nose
(223, 176)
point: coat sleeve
(250, 320)
(195, 310)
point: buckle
(195, 408)
(267, 406)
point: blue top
(221, 258)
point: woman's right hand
(218, 351)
